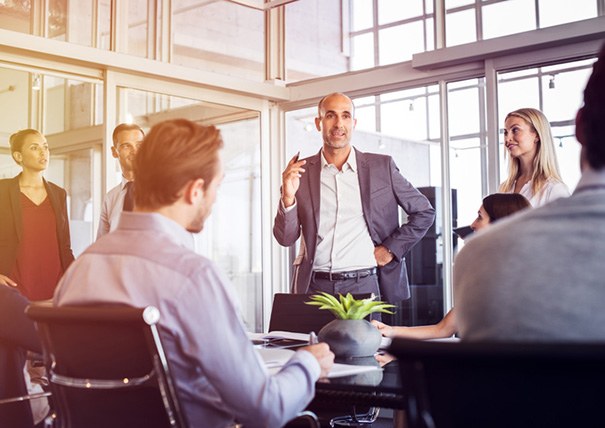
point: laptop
(290, 313)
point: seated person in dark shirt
(17, 336)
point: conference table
(381, 388)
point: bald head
(334, 94)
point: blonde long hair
(545, 164)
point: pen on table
(313, 338)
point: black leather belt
(340, 276)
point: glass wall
(468, 20)
(404, 125)
(354, 35)
(16, 16)
(231, 235)
(65, 111)
(221, 37)
(367, 43)
(382, 32)
(64, 20)
(314, 39)
(468, 146)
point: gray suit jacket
(383, 191)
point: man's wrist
(390, 253)
(287, 202)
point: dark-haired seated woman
(494, 207)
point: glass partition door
(231, 235)
(65, 111)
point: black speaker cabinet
(425, 268)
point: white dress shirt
(344, 241)
(112, 208)
(552, 190)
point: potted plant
(350, 335)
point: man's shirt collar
(351, 162)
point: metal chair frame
(127, 340)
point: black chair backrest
(107, 367)
(450, 384)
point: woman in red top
(35, 245)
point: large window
(384, 32)
(404, 125)
(556, 90)
(467, 146)
(469, 20)
(231, 235)
(351, 35)
(314, 43)
(65, 111)
(222, 37)
(439, 121)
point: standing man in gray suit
(346, 205)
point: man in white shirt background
(127, 138)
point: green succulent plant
(349, 308)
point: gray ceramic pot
(350, 338)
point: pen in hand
(313, 338)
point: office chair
(289, 312)
(106, 367)
(304, 419)
(501, 384)
(15, 409)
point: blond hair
(544, 164)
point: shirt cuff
(288, 209)
(308, 361)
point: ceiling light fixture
(36, 85)
(551, 84)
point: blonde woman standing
(533, 169)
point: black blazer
(11, 223)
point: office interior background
(431, 81)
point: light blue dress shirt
(148, 260)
